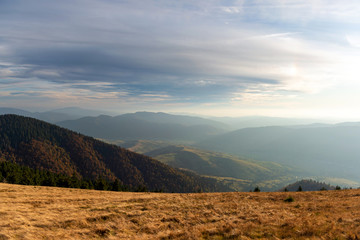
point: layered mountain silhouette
(55, 115)
(331, 150)
(41, 145)
(145, 125)
(236, 123)
(315, 150)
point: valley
(270, 157)
(237, 173)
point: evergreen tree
(116, 186)
(141, 189)
(257, 189)
(101, 184)
(84, 185)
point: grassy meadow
(32, 212)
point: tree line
(14, 173)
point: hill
(222, 165)
(29, 212)
(5, 110)
(238, 173)
(308, 185)
(143, 146)
(40, 145)
(319, 151)
(147, 126)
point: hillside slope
(216, 164)
(239, 173)
(58, 213)
(326, 151)
(41, 145)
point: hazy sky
(275, 57)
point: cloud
(232, 9)
(177, 51)
(354, 40)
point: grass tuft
(289, 199)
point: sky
(219, 58)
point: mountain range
(55, 115)
(236, 123)
(143, 125)
(323, 151)
(318, 150)
(40, 145)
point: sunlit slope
(29, 212)
(238, 173)
(143, 146)
(216, 164)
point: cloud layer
(175, 54)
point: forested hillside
(40, 145)
(308, 185)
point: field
(31, 212)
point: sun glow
(290, 71)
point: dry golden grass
(28, 212)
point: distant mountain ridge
(236, 123)
(41, 145)
(322, 151)
(6, 110)
(53, 116)
(144, 125)
(161, 117)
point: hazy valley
(270, 157)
